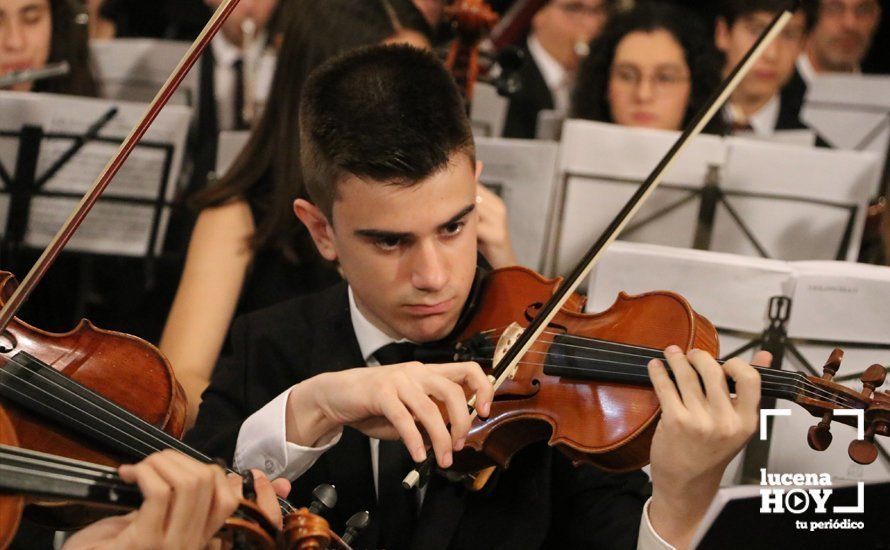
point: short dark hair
(590, 98)
(389, 113)
(731, 10)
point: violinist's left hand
(493, 230)
(185, 504)
(700, 431)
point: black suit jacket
(533, 97)
(541, 501)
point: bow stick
(114, 165)
(529, 336)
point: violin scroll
(830, 396)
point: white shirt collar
(805, 68)
(370, 338)
(555, 75)
(226, 54)
(765, 119)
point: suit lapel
(348, 463)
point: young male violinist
(389, 164)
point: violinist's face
(776, 66)
(409, 253)
(25, 33)
(649, 84)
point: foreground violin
(29, 478)
(580, 382)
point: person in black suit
(759, 104)
(388, 161)
(559, 32)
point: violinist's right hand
(388, 402)
(185, 504)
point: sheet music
(147, 181)
(134, 69)
(833, 303)
(525, 173)
(792, 202)
(488, 111)
(797, 201)
(850, 111)
(602, 165)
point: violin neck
(570, 357)
(40, 474)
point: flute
(33, 75)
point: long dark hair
(590, 98)
(70, 42)
(267, 171)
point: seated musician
(552, 56)
(653, 67)
(841, 37)
(35, 33)
(185, 504)
(247, 250)
(759, 104)
(388, 160)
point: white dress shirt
(225, 54)
(763, 122)
(558, 80)
(262, 443)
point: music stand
(524, 174)
(231, 142)
(134, 69)
(852, 111)
(488, 111)
(732, 195)
(60, 145)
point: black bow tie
(400, 352)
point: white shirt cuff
(649, 539)
(262, 443)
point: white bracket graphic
(860, 419)
(764, 413)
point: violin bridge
(505, 342)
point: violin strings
(767, 375)
(645, 377)
(657, 354)
(287, 506)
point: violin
(579, 381)
(26, 475)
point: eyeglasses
(580, 8)
(790, 35)
(861, 10)
(662, 80)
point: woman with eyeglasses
(653, 67)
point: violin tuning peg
(325, 499)
(864, 451)
(833, 364)
(872, 379)
(357, 522)
(819, 437)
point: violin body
(607, 424)
(121, 368)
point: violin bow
(548, 311)
(111, 169)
